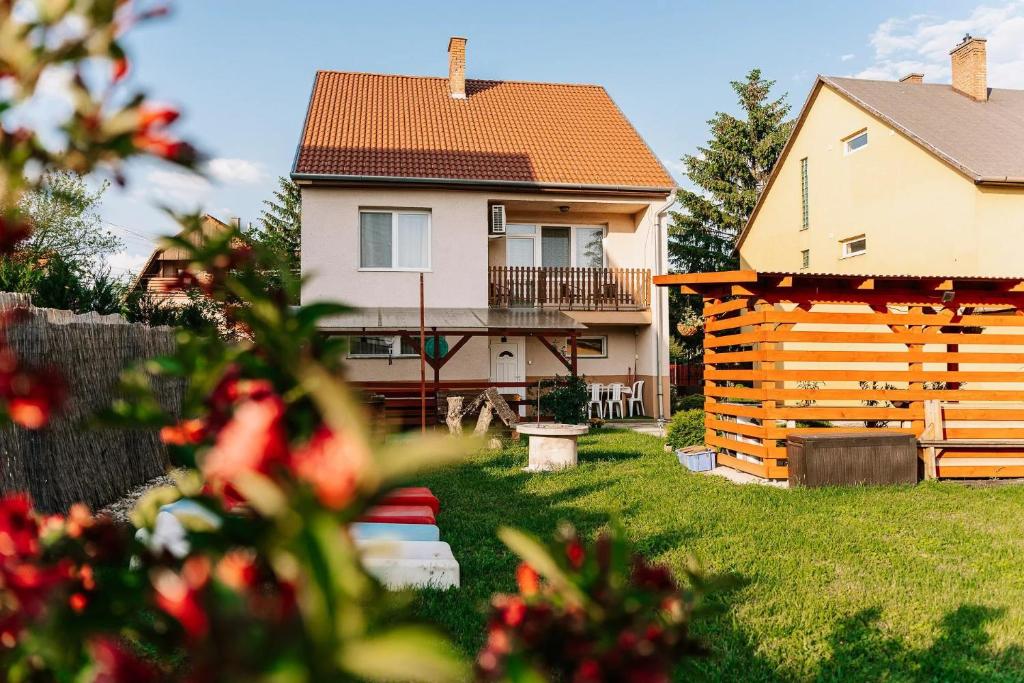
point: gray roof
(984, 140)
(371, 320)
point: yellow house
(898, 178)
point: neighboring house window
(394, 240)
(855, 246)
(805, 258)
(856, 141)
(806, 223)
(379, 347)
(590, 347)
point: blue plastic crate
(696, 461)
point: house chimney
(913, 78)
(235, 221)
(457, 67)
(970, 70)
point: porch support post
(572, 354)
(550, 347)
(453, 350)
(437, 362)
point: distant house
(534, 211)
(898, 178)
(161, 270)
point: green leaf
(405, 458)
(406, 653)
(533, 553)
(308, 315)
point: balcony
(570, 289)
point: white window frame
(845, 245)
(573, 231)
(396, 348)
(604, 345)
(394, 245)
(850, 138)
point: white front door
(506, 364)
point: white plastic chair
(615, 399)
(637, 397)
(596, 390)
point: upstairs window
(394, 240)
(855, 246)
(855, 142)
(805, 258)
(806, 220)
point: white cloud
(847, 57)
(236, 171)
(922, 43)
(177, 189)
(675, 166)
(126, 262)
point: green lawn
(921, 583)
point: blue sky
(241, 70)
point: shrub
(590, 612)
(686, 429)
(689, 402)
(567, 402)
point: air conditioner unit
(497, 219)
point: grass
(912, 583)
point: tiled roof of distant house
(984, 140)
(407, 128)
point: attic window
(855, 246)
(856, 141)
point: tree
(66, 222)
(280, 224)
(728, 175)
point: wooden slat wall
(777, 369)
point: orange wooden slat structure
(790, 353)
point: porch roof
(381, 320)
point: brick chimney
(913, 78)
(457, 67)
(970, 69)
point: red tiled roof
(504, 131)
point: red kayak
(399, 514)
(413, 495)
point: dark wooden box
(843, 459)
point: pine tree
(281, 222)
(728, 175)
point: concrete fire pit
(552, 446)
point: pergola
(793, 353)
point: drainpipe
(660, 303)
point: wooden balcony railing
(575, 289)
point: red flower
(252, 441)
(588, 671)
(156, 117)
(78, 602)
(120, 69)
(12, 232)
(574, 551)
(332, 462)
(237, 570)
(115, 663)
(165, 147)
(31, 395)
(527, 579)
(179, 596)
(185, 433)
(512, 611)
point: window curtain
(411, 240)
(375, 240)
(554, 247)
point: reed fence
(72, 459)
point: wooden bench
(933, 438)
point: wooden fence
(69, 460)
(581, 289)
(686, 376)
(795, 354)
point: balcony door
(555, 246)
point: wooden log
(454, 418)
